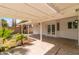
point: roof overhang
(38, 12)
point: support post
(40, 31)
(28, 31)
(21, 29)
(78, 32)
(77, 14)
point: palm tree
(4, 25)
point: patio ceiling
(38, 12)
(66, 9)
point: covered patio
(37, 15)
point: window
(53, 29)
(49, 29)
(69, 25)
(58, 26)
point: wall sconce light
(75, 24)
(76, 21)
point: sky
(9, 20)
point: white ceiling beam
(38, 10)
(22, 12)
(52, 6)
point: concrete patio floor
(48, 46)
(63, 46)
(36, 47)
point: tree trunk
(3, 32)
(3, 41)
(22, 42)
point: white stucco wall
(36, 29)
(64, 31)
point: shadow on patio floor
(18, 51)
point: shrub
(20, 37)
(1, 32)
(5, 34)
(2, 48)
